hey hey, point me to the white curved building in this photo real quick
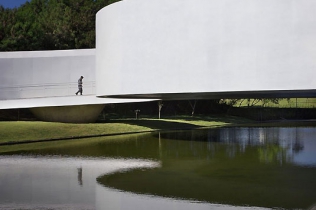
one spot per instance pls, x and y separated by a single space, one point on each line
46 82
206 49
179 49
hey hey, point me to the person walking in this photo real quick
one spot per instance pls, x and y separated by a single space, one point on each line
79 86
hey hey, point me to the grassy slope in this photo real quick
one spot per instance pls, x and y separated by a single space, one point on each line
27 131
21 131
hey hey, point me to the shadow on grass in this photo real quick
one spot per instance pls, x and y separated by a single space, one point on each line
166 123
212 118
157 124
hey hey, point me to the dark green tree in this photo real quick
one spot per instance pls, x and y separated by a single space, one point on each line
50 25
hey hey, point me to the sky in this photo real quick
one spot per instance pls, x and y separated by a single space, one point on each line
12 3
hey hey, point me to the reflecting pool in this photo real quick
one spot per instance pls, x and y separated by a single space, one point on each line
222 168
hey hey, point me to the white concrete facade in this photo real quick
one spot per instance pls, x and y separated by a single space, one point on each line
46 82
206 48
179 49
36 74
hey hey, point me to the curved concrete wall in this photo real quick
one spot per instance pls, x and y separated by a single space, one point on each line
35 74
46 82
206 48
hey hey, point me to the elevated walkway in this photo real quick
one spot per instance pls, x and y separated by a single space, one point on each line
46 82
62 101
170 50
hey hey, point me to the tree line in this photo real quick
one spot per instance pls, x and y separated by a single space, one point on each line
50 25
70 24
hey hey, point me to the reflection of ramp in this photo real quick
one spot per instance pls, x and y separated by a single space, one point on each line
107 198
52 182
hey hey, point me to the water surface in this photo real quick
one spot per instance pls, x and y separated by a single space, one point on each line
224 168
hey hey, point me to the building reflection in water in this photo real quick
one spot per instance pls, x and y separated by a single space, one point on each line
80 182
274 144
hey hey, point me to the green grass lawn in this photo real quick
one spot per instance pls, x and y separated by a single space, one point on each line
36 130
20 131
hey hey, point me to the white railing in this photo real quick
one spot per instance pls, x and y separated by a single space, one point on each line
45 90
